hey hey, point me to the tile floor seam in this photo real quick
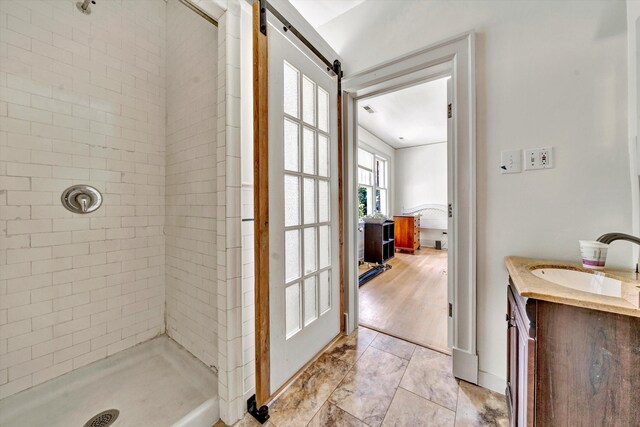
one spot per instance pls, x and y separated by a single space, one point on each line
338 385
326 400
337 359
457 397
431 401
354 416
342 409
394 393
358 357
391 401
388 352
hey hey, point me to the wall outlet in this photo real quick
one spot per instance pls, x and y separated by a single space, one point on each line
511 161
538 158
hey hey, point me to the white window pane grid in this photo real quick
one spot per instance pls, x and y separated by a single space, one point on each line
310 293
307 159
293 306
291 200
310 199
292 255
324 245
310 250
308 151
324 201
381 179
291 145
365 159
323 110
323 155
307 299
308 100
291 90
324 289
365 177
372 181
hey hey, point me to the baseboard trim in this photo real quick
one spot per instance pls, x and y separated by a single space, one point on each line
492 382
465 365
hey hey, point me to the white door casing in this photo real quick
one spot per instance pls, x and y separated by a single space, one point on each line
304 301
455 56
450 223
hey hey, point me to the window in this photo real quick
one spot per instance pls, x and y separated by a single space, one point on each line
372 184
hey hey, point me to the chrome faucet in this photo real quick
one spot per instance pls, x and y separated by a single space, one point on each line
612 237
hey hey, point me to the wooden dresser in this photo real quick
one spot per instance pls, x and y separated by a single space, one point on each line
407 231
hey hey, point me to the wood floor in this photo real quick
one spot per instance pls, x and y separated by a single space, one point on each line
410 300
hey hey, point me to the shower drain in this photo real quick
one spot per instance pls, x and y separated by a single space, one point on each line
103 419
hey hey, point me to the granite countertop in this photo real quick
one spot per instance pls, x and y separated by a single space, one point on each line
530 286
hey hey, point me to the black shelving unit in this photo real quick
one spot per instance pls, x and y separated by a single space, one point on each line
379 244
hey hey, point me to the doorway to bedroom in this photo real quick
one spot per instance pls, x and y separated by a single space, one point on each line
402 198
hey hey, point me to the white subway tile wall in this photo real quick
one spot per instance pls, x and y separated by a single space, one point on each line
192 106
82 100
248 292
229 238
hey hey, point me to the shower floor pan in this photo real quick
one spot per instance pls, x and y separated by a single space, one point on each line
156 383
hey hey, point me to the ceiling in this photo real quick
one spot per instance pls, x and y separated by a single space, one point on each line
319 12
418 114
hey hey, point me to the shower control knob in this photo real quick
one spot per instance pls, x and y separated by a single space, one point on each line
81 199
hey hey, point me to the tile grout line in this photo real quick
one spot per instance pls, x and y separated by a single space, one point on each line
327 352
393 354
329 395
399 382
422 397
398 386
394 396
340 382
431 401
457 400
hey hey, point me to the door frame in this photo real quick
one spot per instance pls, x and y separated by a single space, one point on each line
457 54
261 188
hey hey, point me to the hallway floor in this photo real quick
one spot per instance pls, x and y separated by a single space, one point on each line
410 300
372 379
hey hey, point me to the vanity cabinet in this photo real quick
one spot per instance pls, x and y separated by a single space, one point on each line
521 347
571 366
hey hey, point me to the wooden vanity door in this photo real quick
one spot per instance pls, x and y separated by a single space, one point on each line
521 365
512 360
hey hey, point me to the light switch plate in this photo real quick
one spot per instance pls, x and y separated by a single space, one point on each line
538 158
511 161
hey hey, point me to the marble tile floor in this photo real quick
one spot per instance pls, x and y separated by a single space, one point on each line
372 379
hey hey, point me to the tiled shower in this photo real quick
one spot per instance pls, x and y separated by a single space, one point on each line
123 99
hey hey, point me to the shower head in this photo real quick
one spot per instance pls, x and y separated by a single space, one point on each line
83 6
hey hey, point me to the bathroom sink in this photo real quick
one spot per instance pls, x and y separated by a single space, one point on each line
592 282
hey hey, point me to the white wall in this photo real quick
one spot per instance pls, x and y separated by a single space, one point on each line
190 230
547 73
82 101
421 176
633 46
373 144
